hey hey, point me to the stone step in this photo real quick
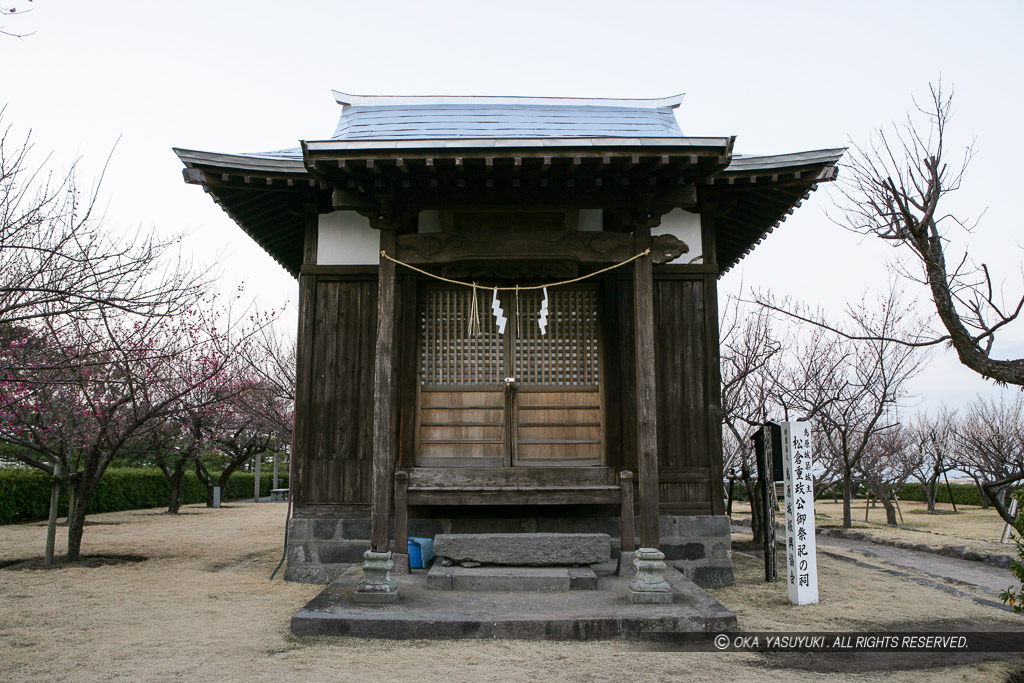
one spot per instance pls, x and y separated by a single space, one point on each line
511 578
525 549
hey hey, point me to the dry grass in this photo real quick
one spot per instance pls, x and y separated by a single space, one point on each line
201 607
971 527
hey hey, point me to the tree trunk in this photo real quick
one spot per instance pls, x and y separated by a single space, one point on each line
984 496
222 480
847 499
997 494
204 476
890 509
930 491
76 521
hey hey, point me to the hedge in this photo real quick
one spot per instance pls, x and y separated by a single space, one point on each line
25 493
963 494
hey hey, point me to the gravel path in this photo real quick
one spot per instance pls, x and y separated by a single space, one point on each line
986 578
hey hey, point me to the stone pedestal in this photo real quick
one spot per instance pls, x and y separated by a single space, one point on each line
626 568
401 563
649 585
376 588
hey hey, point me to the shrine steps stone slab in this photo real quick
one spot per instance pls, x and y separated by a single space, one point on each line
538 549
601 614
511 578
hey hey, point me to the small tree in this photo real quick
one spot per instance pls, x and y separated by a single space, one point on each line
931 451
866 389
886 465
236 438
990 444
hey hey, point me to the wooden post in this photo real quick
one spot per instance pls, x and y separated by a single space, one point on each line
646 394
51 526
402 513
383 400
628 533
256 479
949 490
276 480
765 459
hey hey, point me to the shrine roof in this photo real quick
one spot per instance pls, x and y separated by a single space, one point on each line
500 118
382 140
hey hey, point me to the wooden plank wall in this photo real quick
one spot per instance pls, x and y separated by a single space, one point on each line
334 442
688 384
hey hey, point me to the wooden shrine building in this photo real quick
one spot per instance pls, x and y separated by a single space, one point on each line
411 404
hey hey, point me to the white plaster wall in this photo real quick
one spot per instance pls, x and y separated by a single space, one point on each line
685 226
428 221
591 220
346 239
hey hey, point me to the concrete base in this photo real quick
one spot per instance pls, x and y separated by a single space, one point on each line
603 614
511 578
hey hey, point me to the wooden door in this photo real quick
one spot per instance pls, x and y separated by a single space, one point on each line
518 399
557 406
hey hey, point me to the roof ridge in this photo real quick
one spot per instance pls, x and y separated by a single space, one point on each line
348 99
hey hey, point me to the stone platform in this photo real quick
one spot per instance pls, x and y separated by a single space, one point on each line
537 549
601 614
511 578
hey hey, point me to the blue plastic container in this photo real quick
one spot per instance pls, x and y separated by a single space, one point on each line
421 552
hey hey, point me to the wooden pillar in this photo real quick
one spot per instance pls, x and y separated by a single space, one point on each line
628 536
401 513
712 355
300 452
646 394
383 400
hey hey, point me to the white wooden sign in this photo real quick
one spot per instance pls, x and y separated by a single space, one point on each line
801 557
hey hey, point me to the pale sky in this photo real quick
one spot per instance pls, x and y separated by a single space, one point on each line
783 77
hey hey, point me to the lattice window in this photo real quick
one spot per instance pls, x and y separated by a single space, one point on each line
568 354
448 354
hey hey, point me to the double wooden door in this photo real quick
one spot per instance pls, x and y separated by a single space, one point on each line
521 398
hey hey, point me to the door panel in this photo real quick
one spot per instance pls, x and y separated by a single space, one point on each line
550 415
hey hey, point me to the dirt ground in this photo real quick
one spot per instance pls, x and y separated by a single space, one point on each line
201 607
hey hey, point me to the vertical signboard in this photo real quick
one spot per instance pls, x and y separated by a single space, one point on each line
801 558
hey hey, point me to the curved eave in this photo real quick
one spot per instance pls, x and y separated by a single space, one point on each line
756 194
262 194
260 163
315 147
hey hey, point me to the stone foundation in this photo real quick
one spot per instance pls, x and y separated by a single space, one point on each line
320 550
700 547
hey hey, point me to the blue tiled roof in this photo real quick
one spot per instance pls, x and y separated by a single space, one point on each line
503 121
